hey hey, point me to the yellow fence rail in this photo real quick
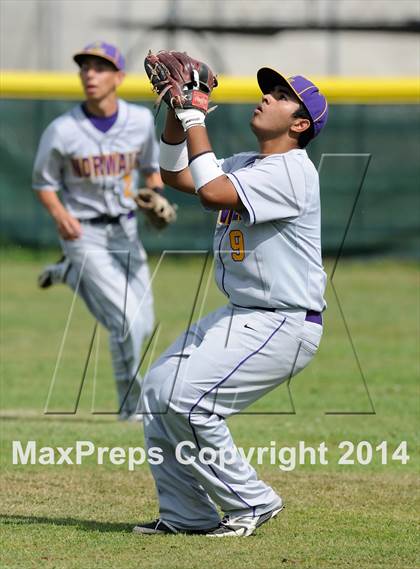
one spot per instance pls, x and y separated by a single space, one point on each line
341 90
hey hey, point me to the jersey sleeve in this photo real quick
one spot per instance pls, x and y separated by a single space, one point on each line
48 165
225 164
149 157
274 189
236 161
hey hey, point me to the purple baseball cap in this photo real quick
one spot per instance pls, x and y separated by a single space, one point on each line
104 51
313 100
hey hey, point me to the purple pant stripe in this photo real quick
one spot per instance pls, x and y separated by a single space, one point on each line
216 387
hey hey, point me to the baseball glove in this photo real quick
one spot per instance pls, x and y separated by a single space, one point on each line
158 211
179 80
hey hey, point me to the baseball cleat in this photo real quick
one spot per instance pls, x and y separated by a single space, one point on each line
243 526
160 527
156 527
130 417
135 418
54 274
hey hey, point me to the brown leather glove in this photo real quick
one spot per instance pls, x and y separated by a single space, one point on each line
157 209
180 80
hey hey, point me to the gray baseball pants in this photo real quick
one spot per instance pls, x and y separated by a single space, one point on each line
109 272
220 366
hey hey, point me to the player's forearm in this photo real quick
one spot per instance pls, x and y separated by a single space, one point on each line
198 141
153 181
181 181
68 226
173 135
218 193
52 203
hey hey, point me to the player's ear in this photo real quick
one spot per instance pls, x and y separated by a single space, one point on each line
300 125
120 75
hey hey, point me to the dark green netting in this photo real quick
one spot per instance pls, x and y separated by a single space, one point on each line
386 218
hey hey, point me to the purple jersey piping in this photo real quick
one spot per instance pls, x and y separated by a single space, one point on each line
245 196
222 263
216 387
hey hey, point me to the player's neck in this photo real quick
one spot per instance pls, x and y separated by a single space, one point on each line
102 108
277 145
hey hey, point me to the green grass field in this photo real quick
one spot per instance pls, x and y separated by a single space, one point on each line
358 516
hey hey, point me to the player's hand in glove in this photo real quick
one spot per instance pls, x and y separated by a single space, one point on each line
155 207
183 83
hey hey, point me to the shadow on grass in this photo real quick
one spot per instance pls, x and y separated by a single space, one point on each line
85 525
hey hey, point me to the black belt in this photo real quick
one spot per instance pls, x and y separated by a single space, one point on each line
311 315
105 218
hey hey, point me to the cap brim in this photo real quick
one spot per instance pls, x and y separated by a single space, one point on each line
81 55
268 78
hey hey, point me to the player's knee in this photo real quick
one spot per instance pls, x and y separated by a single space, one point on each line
166 396
199 417
138 315
170 393
148 327
151 380
152 385
180 398
173 400
126 330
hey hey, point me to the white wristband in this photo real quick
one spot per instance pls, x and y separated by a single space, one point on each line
204 169
190 117
173 157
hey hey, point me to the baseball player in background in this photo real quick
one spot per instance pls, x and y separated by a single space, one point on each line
94 155
268 264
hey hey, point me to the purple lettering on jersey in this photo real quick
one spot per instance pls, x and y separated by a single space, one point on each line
97 165
101 123
132 160
224 214
109 160
86 167
75 162
122 163
105 165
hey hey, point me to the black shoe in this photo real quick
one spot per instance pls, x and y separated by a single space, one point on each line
54 274
160 527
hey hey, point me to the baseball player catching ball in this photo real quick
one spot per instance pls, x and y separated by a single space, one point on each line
268 264
94 154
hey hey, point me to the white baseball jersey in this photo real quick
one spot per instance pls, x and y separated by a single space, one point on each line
269 256
97 172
